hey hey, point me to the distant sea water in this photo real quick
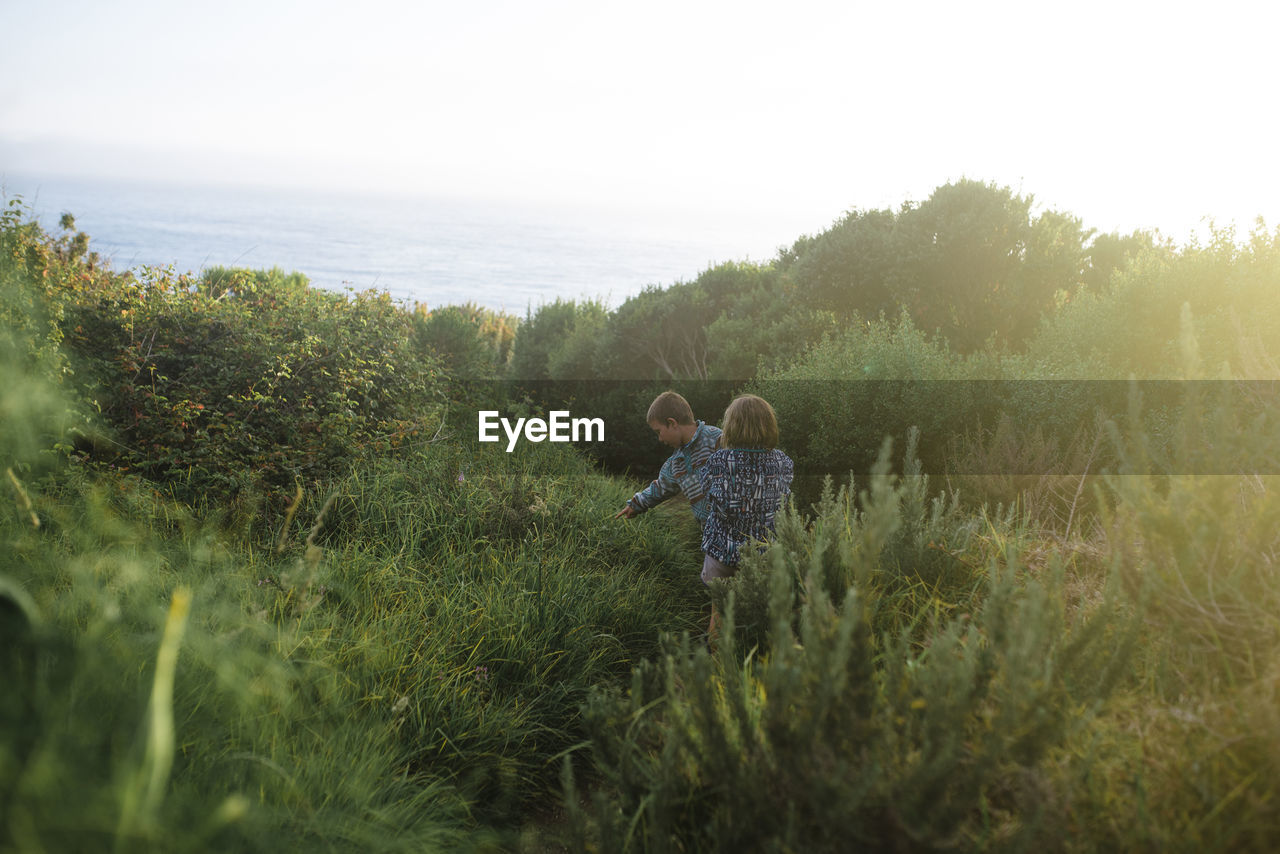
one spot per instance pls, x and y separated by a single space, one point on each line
432 251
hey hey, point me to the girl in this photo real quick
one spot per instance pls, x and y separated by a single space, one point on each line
745 482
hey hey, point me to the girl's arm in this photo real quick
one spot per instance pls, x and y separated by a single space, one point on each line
787 473
715 476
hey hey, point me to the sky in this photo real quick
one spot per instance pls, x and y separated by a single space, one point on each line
1126 114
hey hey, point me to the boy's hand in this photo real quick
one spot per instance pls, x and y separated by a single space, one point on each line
627 512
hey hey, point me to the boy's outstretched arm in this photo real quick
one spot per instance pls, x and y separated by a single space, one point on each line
654 494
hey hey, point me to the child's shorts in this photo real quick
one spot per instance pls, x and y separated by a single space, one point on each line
712 569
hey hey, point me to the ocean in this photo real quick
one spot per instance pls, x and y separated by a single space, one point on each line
433 251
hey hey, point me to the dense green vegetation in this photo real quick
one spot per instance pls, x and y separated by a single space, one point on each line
260 589
863 331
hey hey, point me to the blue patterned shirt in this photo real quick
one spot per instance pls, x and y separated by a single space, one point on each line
682 473
745 488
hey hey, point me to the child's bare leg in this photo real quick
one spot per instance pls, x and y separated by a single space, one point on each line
713 630
713 569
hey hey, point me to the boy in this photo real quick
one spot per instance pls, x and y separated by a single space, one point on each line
671 419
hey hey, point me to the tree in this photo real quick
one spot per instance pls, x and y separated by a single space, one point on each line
759 321
850 268
471 341
544 332
579 355
975 265
662 334
1110 252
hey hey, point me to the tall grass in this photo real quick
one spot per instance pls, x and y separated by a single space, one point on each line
908 711
407 655
396 667
401 674
901 674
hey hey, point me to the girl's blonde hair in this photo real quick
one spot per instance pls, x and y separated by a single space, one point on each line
749 422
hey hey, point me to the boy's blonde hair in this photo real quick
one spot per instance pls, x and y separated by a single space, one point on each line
669 404
749 422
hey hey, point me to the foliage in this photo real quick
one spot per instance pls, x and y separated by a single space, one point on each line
850 268
581 352
838 402
971 263
470 341
661 334
33 362
398 670
761 322
28 311
922 555
1192 760
934 734
530 590
391 641
1133 326
1112 252
243 378
1012 465
978 266
240 741
219 282
149 705
1207 545
544 332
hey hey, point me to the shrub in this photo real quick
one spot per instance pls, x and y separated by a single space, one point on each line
1192 760
933 734
149 706
922 553
264 383
543 333
1011 465
398 670
661 335
238 380
35 272
838 402
1133 325
471 342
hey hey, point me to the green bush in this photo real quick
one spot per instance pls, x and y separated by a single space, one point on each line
471 342
660 334
35 272
240 379
262 384
399 669
931 734
579 355
544 333
1192 760
971 263
761 324
924 554
838 402
152 703
1133 325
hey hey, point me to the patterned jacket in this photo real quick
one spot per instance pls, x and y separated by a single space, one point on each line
682 473
745 488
